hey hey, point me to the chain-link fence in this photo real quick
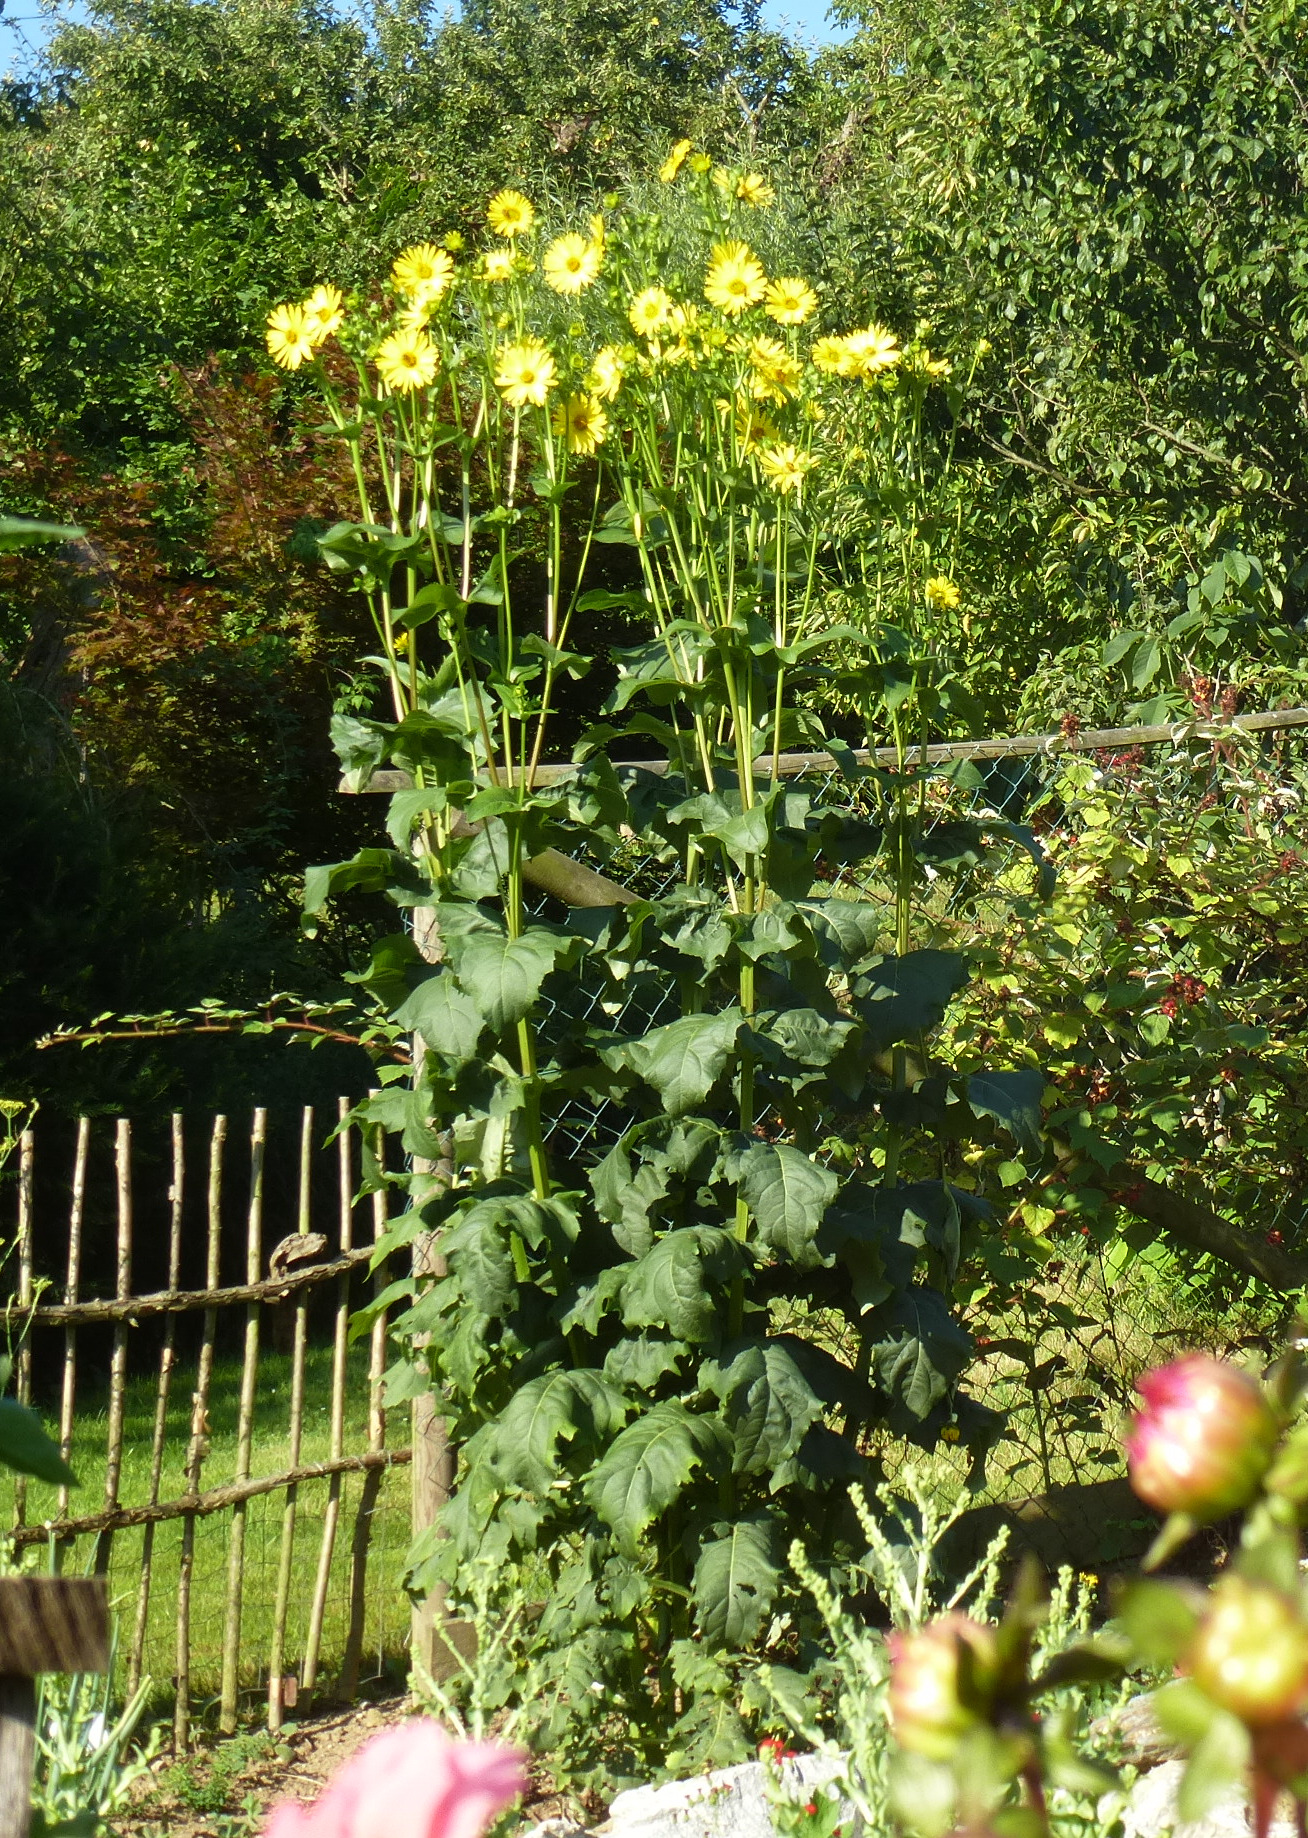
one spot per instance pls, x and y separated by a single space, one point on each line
1059 1356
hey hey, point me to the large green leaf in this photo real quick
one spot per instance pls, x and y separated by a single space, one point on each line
556 1407
918 1350
683 1060
25 1447
503 975
787 1192
480 1255
768 1403
449 1021
736 1581
638 1363
645 1469
903 996
1012 1099
26 533
673 1285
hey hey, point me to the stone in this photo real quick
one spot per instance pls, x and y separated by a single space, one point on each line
1150 1810
727 1803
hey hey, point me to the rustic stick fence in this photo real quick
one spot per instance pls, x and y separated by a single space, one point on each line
188 1327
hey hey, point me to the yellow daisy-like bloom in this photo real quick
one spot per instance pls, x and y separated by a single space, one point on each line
920 363
453 242
784 467
423 270
650 310
672 164
582 423
830 354
324 312
735 278
289 337
942 593
775 374
604 379
753 428
510 214
871 351
525 373
789 301
498 265
753 188
407 360
571 264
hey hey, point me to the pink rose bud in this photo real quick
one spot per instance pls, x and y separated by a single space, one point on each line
413 1781
1204 1439
936 1695
1250 1652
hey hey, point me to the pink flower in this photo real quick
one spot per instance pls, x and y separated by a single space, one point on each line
1204 1439
413 1781
940 1680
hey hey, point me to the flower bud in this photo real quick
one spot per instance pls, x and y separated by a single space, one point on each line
938 1681
1204 1439
1250 1653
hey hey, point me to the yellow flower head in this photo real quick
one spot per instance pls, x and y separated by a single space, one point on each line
453 241
831 354
323 311
920 363
423 270
582 423
784 467
510 214
672 164
775 374
735 278
789 301
497 265
571 264
604 378
941 592
753 188
407 360
753 428
525 373
870 352
289 337
649 310
700 163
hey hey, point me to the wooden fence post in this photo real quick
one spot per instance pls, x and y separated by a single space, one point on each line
244 1435
47 1624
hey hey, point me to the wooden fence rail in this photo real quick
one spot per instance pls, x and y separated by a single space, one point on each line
150 1347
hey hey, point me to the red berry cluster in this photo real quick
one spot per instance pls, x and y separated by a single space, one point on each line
1185 990
1070 726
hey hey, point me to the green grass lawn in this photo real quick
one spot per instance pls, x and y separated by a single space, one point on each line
387 1610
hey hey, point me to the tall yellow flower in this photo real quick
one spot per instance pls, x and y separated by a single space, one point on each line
525 373
289 337
700 163
604 379
324 312
753 188
735 278
942 593
510 214
571 264
784 467
774 373
831 354
649 310
582 423
753 428
407 360
424 270
498 264
790 301
672 164
871 351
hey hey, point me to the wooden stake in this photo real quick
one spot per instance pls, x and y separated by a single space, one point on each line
340 1348
118 1361
23 1364
47 1624
199 1444
72 1284
227 1708
276 1660
167 1357
349 1679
